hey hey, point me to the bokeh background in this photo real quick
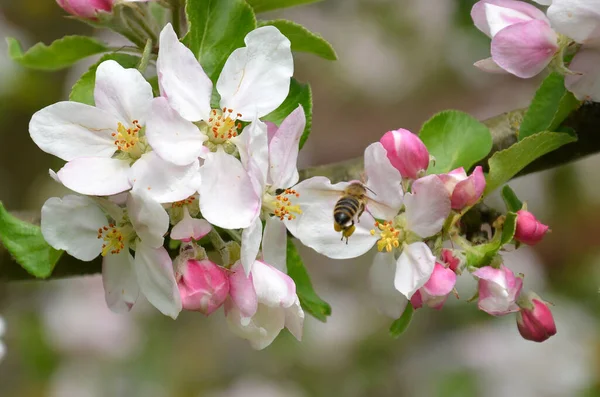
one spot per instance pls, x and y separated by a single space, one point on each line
400 61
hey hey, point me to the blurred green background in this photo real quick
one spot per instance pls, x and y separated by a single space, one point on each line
400 61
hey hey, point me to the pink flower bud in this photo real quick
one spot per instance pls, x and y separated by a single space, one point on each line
529 230
85 8
203 286
452 261
523 43
534 320
498 290
406 152
435 291
464 190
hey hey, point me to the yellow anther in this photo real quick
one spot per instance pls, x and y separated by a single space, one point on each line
282 206
222 125
113 239
389 237
127 138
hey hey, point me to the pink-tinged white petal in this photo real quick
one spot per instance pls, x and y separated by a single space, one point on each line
468 191
241 291
203 286
172 137
294 319
413 268
262 329
164 181
585 85
228 196
122 92
385 181
182 79
452 178
71 224
255 79
156 278
70 130
498 290
148 217
427 206
406 152
314 226
388 300
441 282
190 228
251 237
525 49
577 19
488 65
120 285
283 150
491 16
271 130
96 176
273 287
253 147
274 244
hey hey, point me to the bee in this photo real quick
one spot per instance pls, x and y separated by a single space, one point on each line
350 207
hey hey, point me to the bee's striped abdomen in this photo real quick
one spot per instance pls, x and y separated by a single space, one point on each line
345 209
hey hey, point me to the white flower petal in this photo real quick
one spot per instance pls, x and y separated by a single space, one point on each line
182 79
577 19
255 79
428 207
274 245
71 224
96 176
414 267
190 228
165 182
172 137
385 181
273 288
156 278
227 195
120 285
253 147
283 150
263 327
294 319
148 217
314 226
388 299
251 237
586 85
70 130
125 93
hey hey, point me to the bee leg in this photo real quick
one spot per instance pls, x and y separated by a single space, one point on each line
360 212
348 232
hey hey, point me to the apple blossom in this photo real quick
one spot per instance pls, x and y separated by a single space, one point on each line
523 42
435 291
535 321
464 190
406 152
529 230
82 227
182 126
498 290
577 19
203 286
276 305
105 150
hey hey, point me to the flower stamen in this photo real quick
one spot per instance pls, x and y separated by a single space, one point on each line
389 237
283 206
113 239
222 125
127 138
187 201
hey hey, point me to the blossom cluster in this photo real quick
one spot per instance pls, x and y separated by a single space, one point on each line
526 41
142 168
409 216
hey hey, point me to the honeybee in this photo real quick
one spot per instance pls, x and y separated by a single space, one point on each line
349 208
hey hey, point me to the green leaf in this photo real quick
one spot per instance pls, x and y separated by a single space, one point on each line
508 162
83 90
61 54
217 27
300 94
303 39
483 254
27 246
309 299
551 104
268 5
455 139
400 325
510 199
508 228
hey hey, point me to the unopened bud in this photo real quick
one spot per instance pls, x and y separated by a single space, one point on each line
203 286
535 320
406 152
498 290
87 9
464 190
529 230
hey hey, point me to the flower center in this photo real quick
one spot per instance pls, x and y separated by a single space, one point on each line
281 205
113 239
127 139
389 237
222 125
184 202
